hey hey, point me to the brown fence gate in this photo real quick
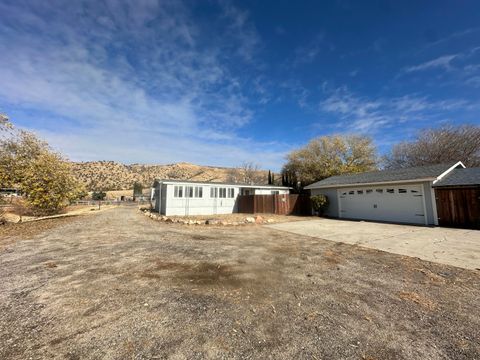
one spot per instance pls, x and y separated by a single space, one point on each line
290 204
458 207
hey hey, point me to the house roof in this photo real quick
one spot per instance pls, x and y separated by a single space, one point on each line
256 186
420 173
460 177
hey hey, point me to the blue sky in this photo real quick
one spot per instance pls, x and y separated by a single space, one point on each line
223 82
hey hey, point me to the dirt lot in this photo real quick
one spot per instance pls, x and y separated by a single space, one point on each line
118 285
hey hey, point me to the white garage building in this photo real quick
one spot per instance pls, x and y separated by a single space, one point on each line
180 197
401 196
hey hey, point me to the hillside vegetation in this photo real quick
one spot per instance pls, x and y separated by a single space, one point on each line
111 175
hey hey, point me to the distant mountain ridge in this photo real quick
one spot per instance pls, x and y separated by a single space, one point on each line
112 175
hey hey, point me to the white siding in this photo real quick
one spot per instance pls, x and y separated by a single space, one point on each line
223 201
205 205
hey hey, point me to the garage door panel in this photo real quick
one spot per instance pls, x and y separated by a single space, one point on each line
394 204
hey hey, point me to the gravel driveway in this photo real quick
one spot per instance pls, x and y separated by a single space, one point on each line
118 285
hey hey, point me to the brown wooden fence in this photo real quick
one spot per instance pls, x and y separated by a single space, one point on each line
291 204
458 207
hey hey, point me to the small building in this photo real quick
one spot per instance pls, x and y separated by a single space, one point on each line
9 192
400 196
179 197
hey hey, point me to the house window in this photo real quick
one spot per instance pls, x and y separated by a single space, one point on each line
402 191
222 192
390 191
178 191
360 192
246 192
414 191
275 192
231 193
213 192
380 191
189 191
198 192
351 192
369 191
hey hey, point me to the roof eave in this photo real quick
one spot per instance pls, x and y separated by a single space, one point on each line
310 187
446 172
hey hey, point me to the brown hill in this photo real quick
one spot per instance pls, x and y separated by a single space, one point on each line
111 175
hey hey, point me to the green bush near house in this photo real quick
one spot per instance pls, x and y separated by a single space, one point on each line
319 203
99 195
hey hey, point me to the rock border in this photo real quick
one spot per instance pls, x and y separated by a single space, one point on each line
248 220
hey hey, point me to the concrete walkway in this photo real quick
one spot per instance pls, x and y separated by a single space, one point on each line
457 247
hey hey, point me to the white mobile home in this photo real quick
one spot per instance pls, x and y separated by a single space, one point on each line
176 197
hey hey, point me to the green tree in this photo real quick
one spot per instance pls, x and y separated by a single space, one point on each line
42 175
137 189
99 195
330 155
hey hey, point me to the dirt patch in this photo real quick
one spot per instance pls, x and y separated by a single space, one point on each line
418 299
118 285
332 257
209 274
30 229
203 273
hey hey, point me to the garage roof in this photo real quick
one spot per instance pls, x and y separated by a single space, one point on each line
420 173
460 177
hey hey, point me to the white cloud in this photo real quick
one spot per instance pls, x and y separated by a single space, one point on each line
362 114
129 81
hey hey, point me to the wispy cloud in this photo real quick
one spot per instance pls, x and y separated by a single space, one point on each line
363 114
442 62
145 78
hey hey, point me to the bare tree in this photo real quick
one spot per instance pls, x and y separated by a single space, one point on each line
234 175
435 146
251 173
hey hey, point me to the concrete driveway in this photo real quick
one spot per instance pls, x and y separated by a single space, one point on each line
457 247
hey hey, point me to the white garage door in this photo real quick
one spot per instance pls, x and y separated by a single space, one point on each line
402 204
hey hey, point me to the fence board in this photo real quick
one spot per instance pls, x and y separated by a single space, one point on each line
458 207
275 204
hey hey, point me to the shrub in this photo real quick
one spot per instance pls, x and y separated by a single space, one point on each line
319 203
99 195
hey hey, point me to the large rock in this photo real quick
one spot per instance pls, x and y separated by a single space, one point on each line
258 219
250 219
